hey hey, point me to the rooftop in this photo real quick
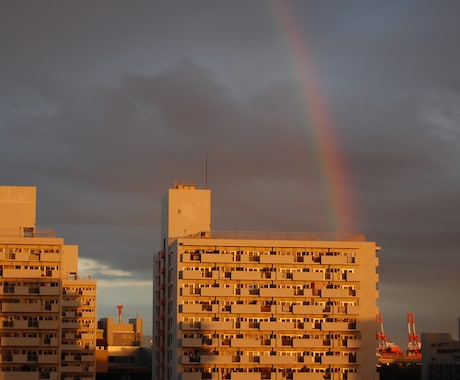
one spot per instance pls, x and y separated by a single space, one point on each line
275 235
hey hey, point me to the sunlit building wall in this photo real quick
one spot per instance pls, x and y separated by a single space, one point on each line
120 349
261 306
47 313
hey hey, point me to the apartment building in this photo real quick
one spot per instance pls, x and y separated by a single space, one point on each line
47 313
253 305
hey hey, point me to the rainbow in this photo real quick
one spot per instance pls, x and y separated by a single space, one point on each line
330 165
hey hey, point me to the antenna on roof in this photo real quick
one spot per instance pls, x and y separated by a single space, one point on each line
120 314
206 161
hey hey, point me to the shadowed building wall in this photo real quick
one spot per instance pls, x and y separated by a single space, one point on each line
120 351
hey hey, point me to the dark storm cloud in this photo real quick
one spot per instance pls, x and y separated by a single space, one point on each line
103 105
119 139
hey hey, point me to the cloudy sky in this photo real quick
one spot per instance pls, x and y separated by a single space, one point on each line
314 116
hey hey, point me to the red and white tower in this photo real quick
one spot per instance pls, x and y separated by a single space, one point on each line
414 346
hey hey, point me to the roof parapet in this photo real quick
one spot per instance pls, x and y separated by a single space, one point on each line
276 235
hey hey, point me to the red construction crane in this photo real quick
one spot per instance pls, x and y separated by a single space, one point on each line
414 347
386 348
120 314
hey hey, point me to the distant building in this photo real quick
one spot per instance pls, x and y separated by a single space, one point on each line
47 312
253 306
440 357
120 351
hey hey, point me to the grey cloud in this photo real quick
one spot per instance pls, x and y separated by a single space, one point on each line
102 106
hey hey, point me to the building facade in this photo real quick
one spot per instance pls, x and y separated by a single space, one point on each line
440 356
259 305
47 313
121 351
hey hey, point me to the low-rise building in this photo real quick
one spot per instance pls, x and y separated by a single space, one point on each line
120 349
440 356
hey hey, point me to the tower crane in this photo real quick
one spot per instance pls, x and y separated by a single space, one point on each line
414 347
386 348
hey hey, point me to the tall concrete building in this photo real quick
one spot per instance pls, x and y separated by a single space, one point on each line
47 313
252 305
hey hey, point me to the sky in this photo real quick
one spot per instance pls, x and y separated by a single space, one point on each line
338 116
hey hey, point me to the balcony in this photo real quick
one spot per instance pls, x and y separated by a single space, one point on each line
216 291
308 276
48 359
243 342
88 358
17 324
50 325
198 274
191 342
72 368
308 309
189 359
308 376
335 359
48 256
276 292
353 309
277 359
216 325
22 273
88 292
338 326
284 342
251 309
245 376
216 359
277 259
353 276
336 293
307 343
71 347
20 341
19 358
353 343
49 291
190 325
243 275
199 308
191 257
26 375
70 325
200 376
21 307
278 326
216 258
71 303
331 260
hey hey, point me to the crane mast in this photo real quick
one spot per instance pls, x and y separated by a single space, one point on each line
386 348
414 346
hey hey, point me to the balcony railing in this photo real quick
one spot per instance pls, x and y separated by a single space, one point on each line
274 235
